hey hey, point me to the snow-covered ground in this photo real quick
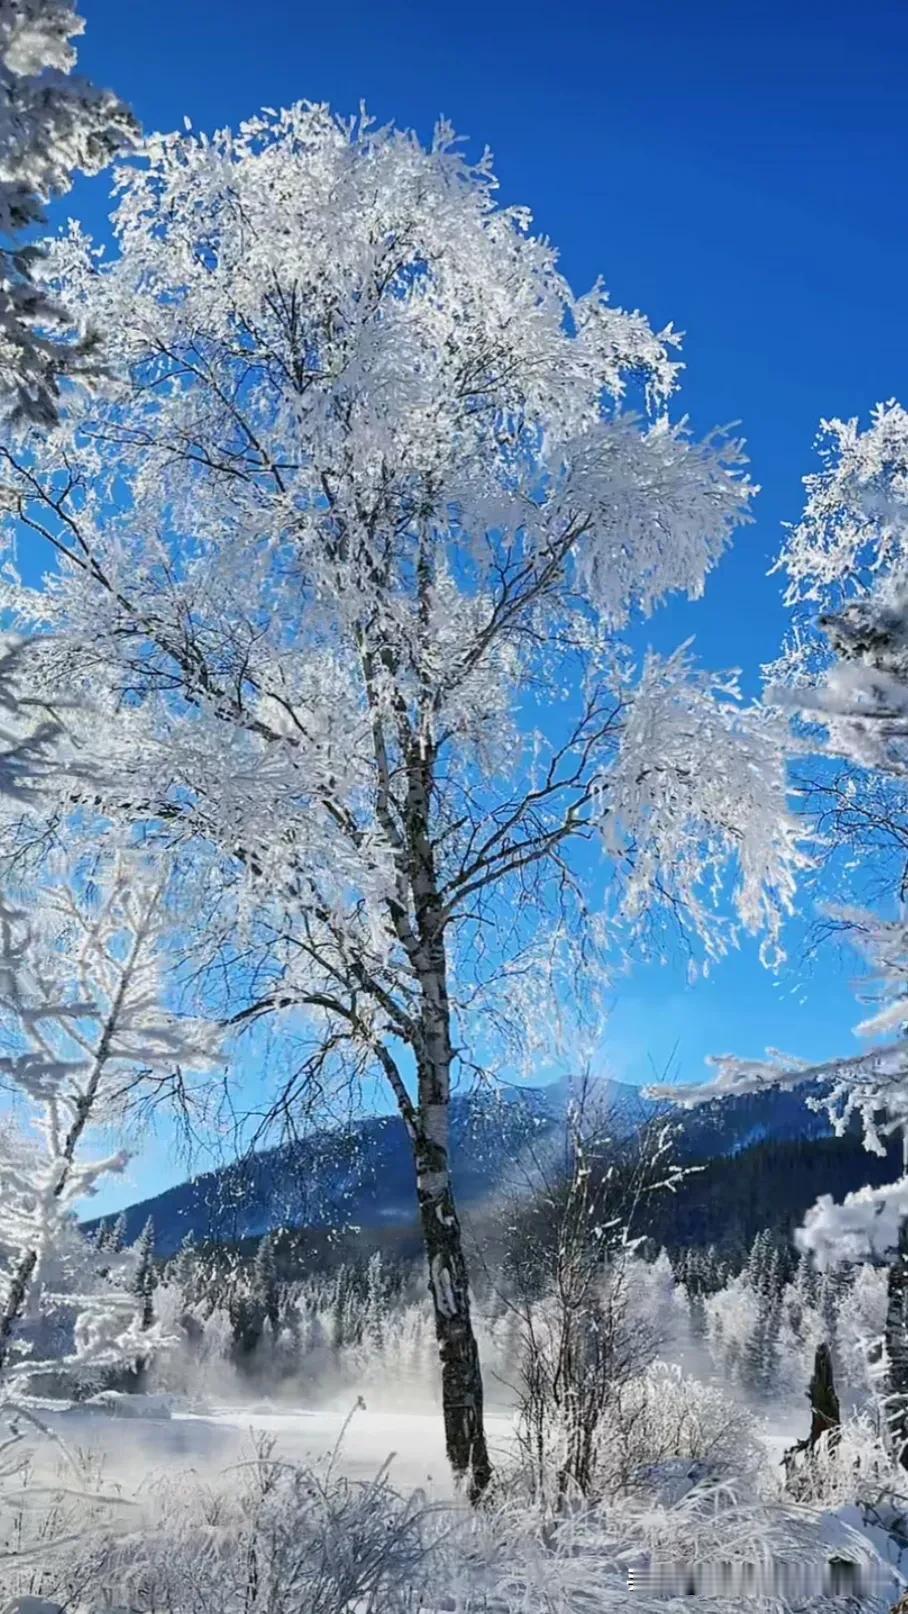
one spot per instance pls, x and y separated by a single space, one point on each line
161 1454
139 1439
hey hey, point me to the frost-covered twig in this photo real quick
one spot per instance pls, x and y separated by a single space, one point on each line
81 1005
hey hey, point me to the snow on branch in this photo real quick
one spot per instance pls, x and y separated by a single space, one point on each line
865 1225
81 1006
699 786
872 1086
846 670
51 125
855 522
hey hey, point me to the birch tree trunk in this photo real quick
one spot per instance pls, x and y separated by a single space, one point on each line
461 1377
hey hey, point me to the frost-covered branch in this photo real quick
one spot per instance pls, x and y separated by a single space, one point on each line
844 677
348 543
84 1022
52 125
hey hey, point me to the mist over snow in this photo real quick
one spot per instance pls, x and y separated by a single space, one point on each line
390 672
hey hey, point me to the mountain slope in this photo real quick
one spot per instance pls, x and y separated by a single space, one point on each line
363 1176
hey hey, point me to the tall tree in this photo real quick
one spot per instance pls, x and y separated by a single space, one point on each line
145 1278
265 1291
347 548
51 125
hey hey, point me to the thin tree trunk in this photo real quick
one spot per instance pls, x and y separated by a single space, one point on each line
461 1377
897 1349
15 1303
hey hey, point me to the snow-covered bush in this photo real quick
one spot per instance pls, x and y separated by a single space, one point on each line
273 1537
665 1414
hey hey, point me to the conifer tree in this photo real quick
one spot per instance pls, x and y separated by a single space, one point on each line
265 1288
116 1238
145 1279
185 1269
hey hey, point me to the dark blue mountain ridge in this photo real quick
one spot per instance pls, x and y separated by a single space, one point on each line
361 1175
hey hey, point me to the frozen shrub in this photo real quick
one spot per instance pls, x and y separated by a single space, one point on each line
662 1415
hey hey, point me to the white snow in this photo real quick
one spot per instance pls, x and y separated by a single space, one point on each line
412 1444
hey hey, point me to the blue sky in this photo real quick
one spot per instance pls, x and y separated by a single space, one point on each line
737 168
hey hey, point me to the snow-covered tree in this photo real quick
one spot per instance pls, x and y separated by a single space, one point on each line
347 546
760 1352
52 125
265 1282
116 1238
84 1027
376 1299
844 674
182 1271
145 1278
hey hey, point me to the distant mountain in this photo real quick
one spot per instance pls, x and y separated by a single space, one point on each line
728 1127
362 1175
768 1185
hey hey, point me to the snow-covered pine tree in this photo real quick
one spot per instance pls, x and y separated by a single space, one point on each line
116 1238
52 125
184 1271
86 1030
760 1359
144 1280
265 1287
759 1262
376 1300
339 1304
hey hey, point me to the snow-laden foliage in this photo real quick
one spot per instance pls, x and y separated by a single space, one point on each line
844 675
846 666
867 1222
872 1086
279 1536
85 1031
52 125
346 550
361 482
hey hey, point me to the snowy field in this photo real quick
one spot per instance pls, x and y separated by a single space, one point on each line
138 1442
168 1452
141 1439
